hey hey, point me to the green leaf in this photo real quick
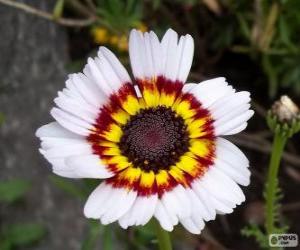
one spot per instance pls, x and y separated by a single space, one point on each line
58 9
244 26
67 186
12 190
23 234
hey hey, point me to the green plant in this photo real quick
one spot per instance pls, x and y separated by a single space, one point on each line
17 235
119 16
284 121
13 190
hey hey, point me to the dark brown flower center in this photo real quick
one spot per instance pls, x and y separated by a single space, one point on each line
154 139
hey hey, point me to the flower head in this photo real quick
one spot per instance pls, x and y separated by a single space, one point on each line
155 140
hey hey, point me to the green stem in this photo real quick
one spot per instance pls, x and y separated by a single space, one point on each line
107 238
163 237
272 182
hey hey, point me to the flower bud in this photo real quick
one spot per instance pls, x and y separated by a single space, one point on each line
284 117
285 109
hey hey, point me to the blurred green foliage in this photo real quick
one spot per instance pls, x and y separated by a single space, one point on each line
137 238
268 32
17 235
20 235
13 190
119 16
265 30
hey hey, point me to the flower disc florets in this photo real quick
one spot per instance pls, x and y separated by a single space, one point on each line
154 139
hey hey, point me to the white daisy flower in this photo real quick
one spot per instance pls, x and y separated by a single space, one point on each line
155 141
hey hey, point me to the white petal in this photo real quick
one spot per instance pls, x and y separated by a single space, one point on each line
72 91
177 203
149 69
51 142
145 54
97 199
188 87
171 205
141 211
218 188
226 103
219 176
170 58
239 176
88 166
110 76
183 198
237 129
66 173
204 197
177 56
137 91
71 122
222 207
231 161
136 52
90 92
69 150
231 125
190 225
53 129
163 217
171 54
231 114
233 150
209 91
197 205
121 204
186 58
93 72
71 106
116 65
156 53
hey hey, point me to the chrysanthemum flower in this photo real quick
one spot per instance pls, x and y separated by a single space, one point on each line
155 140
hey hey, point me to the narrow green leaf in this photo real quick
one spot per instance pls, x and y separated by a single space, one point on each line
58 9
93 235
12 190
244 26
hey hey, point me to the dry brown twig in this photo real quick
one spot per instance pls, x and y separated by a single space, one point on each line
40 13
